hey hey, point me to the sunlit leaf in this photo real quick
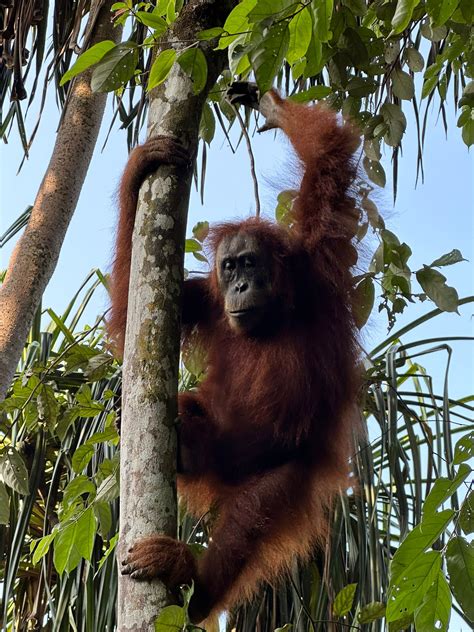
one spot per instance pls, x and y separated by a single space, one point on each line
161 67
403 14
87 59
300 28
344 599
371 612
267 57
435 611
13 471
444 488
460 562
194 63
115 68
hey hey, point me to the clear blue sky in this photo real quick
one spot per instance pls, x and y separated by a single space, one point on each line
434 218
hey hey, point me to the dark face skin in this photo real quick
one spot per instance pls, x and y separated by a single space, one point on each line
244 271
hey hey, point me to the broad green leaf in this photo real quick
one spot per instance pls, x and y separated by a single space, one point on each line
468 130
311 94
344 599
77 487
161 68
371 612
361 86
322 14
13 471
286 628
192 245
207 126
464 449
418 540
433 33
375 171
85 534
201 231
407 592
466 516
448 259
98 366
396 122
42 547
285 201
402 15
66 555
373 215
103 514
109 489
460 563
300 28
363 300
4 505
402 624
429 85
115 68
82 457
434 285
267 57
109 434
440 10
171 619
153 20
265 9
402 84
435 611
236 22
414 59
443 489
194 64
110 550
88 58
48 406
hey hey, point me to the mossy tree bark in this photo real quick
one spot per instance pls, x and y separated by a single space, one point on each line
36 254
150 370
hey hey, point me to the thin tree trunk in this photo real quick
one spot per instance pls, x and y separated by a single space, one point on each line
150 370
36 254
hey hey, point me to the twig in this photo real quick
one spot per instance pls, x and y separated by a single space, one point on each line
251 157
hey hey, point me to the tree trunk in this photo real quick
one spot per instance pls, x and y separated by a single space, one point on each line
36 254
150 370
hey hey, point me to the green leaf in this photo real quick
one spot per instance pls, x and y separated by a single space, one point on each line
42 547
13 471
153 20
418 540
85 534
267 57
433 33
171 619
396 121
435 611
194 64
77 487
371 612
407 592
285 201
192 245
209 34
344 600
363 299
66 555
103 514
448 259
301 29
414 59
311 94
236 22
322 14
161 68
115 68
48 406
201 231
460 563
88 58
466 515
434 285
429 85
361 87
464 449
98 366
81 457
468 130
402 84
402 16
4 505
443 489
440 10
375 171
109 489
